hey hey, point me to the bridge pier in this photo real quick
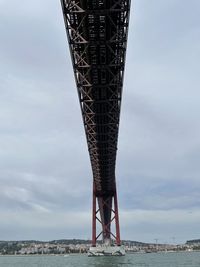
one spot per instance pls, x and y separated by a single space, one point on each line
111 243
110 205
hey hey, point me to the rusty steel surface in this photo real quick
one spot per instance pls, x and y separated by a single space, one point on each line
97 34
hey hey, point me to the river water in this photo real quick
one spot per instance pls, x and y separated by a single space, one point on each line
183 259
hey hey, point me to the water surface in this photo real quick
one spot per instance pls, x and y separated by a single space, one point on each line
181 259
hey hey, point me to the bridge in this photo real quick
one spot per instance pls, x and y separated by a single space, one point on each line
97 32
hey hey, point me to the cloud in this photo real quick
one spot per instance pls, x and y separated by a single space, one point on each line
142 225
148 225
39 224
45 173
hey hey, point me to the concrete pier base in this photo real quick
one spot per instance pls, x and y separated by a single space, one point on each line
105 250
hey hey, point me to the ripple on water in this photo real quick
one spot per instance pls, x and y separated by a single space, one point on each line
191 259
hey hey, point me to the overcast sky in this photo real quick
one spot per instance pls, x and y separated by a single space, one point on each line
45 173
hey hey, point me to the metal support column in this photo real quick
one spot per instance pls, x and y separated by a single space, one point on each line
118 241
94 217
108 235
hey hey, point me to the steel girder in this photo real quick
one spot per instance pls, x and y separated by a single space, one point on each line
97 34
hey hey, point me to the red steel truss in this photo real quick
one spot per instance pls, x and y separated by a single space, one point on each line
105 203
97 33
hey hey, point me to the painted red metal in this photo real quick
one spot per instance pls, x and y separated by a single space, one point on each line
111 204
94 217
118 241
97 32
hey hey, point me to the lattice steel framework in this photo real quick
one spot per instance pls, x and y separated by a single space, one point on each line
97 33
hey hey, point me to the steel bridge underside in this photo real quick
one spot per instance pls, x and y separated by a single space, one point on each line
97 34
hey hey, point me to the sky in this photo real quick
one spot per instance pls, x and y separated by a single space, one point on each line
45 173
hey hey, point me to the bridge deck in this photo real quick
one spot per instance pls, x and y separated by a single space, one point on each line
97 34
